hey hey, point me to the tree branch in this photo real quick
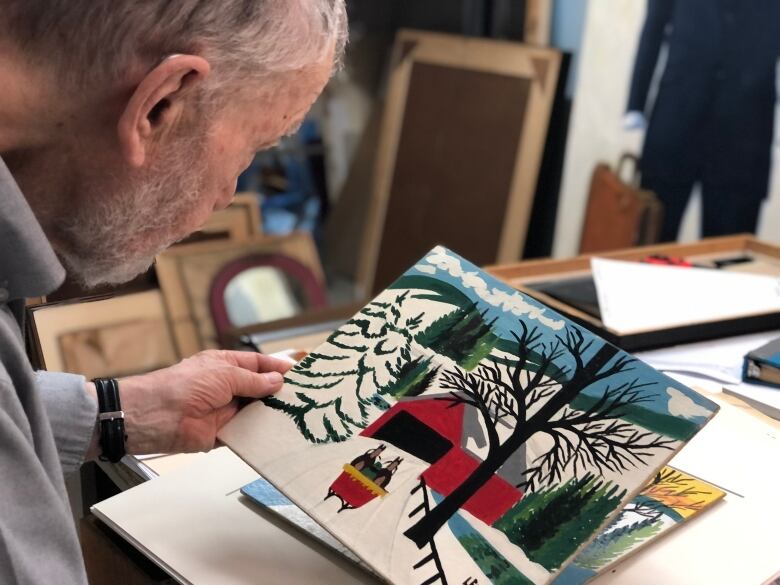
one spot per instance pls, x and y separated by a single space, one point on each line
612 445
609 406
480 397
620 366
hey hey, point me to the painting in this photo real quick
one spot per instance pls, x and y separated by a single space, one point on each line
457 431
671 499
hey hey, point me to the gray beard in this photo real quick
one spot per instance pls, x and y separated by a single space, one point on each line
110 240
99 269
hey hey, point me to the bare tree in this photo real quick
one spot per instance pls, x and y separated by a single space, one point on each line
523 393
674 489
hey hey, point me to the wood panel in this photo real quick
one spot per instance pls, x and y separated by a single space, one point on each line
428 202
461 144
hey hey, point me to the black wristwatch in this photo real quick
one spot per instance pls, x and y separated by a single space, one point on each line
111 420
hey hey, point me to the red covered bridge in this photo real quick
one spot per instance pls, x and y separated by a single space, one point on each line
432 430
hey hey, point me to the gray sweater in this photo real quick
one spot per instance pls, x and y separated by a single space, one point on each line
46 419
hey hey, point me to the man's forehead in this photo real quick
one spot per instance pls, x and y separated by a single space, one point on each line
281 112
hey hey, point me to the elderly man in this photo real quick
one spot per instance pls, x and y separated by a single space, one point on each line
123 125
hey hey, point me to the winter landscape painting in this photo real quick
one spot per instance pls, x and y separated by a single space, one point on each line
456 431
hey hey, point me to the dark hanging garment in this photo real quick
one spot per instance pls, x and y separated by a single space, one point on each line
712 120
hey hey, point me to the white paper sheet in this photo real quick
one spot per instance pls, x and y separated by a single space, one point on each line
762 398
720 359
194 524
736 541
635 297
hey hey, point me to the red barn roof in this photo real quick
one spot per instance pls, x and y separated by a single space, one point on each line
451 465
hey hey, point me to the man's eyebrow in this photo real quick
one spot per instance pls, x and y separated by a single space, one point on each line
295 128
291 132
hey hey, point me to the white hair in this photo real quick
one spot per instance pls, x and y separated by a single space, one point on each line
89 41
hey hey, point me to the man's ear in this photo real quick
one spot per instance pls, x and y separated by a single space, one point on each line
157 103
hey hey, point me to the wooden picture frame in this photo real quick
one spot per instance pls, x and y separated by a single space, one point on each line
186 274
241 220
538 22
524 275
302 332
461 145
102 336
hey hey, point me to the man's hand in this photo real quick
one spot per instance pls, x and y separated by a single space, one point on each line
181 408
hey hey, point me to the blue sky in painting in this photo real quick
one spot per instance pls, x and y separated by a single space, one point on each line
263 492
503 302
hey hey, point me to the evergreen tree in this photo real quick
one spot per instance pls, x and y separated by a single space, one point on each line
610 545
549 525
371 358
412 377
463 335
343 386
601 502
493 564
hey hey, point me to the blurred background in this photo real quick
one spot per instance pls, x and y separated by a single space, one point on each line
507 130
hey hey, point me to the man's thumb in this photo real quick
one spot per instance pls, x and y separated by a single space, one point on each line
249 384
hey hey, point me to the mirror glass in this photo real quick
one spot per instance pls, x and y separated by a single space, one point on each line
261 294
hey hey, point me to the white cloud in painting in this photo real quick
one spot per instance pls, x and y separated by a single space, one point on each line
508 301
682 405
426 268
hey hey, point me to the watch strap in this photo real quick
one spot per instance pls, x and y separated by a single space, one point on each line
111 420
